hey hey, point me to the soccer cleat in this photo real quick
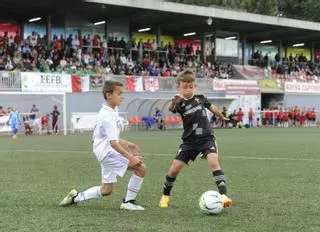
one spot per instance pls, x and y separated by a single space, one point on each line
227 202
69 199
164 201
131 205
14 136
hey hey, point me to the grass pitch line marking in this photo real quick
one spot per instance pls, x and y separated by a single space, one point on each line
166 154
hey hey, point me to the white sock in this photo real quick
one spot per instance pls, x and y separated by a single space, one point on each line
134 187
91 193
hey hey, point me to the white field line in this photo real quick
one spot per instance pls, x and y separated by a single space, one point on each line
172 155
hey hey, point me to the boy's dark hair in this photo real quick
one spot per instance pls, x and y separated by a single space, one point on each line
187 76
109 87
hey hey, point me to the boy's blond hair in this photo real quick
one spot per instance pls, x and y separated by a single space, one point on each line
186 76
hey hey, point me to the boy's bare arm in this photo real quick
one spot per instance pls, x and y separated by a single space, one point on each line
135 160
214 109
131 147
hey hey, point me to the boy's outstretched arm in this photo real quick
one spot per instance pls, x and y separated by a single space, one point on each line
214 109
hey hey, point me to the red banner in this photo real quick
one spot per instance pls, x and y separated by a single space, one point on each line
134 84
11 28
76 84
130 84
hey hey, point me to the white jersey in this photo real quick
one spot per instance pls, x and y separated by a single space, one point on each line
108 128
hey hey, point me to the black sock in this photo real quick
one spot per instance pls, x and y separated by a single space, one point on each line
220 181
168 184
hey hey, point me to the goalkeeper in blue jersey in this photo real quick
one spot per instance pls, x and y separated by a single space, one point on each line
14 120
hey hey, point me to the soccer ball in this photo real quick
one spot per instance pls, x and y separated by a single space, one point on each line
211 202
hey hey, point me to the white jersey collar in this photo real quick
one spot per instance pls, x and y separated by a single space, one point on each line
106 107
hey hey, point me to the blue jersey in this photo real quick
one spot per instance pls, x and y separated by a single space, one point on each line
14 118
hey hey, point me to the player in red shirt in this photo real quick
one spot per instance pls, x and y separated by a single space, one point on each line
2 112
308 117
280 115
269 116
302 118
276 114
240 118
296 116
45 123
290 114
285 118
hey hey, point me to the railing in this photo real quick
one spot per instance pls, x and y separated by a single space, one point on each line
20 81
275 64
10 81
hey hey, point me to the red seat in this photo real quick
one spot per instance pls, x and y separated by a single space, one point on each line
167 119
134 120
131 120
173 119
137 119
178 119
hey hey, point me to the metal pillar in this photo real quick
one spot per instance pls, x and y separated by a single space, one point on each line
244 54
203 47
49 31
159 36
312 52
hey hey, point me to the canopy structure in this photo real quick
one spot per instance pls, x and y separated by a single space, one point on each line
171 18
145 106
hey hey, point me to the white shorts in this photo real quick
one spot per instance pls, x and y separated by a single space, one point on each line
112 166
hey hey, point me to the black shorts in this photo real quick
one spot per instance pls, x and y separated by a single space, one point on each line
188 152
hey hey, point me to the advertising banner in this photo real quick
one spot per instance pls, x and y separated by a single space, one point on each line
300 87
45 82
4 127
236 87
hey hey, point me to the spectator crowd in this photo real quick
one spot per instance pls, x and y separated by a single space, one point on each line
289 68
98 55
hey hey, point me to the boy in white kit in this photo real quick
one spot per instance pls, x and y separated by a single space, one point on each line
114 154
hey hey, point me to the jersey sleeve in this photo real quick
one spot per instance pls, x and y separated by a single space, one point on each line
206 103
110 127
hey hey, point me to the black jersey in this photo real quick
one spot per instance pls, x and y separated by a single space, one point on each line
55 114
196 124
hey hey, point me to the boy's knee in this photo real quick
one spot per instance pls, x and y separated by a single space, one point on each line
106 190
173 172
213 161
176 168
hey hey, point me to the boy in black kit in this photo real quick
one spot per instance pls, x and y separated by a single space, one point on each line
55 118
197 136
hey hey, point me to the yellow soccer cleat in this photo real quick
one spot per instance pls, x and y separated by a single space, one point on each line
69 199
227 202
164 202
